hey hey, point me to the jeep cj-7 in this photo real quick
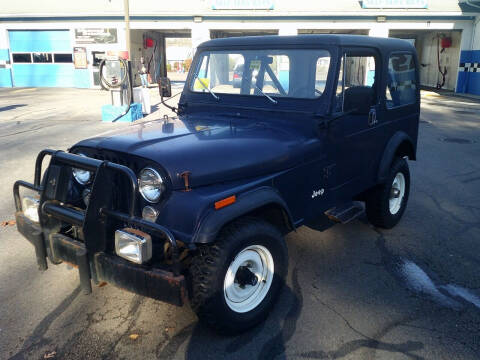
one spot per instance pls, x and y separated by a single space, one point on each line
271 133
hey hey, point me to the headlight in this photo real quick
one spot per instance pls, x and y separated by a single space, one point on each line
151 185
133 245
149 214
82 176
30 208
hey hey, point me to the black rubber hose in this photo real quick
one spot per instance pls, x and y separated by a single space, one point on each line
129 97
118 83
125 79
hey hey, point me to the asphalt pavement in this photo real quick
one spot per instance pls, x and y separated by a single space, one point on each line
354 291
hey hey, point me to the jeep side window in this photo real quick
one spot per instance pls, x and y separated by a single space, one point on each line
401 81
321 74
355 71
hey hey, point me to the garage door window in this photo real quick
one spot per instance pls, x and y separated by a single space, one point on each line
22 58
62 58
401 83
42 58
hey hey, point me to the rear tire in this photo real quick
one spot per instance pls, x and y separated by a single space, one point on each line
236 280
386 203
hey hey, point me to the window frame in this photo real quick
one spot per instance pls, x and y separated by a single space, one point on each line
384 92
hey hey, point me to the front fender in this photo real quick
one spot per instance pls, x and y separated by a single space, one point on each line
214 220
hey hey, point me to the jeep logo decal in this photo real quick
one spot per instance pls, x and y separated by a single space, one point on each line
318 193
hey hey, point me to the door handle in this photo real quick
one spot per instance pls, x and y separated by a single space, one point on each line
372 117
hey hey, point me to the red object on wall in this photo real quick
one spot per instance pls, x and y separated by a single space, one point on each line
446 42
148 42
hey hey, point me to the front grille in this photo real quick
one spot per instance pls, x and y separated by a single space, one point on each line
115 158
120 185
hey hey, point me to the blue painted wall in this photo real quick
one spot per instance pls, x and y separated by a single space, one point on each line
5 77
469 72
81 78
5 74
40 41
4 54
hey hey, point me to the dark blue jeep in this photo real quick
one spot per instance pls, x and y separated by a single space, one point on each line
313 130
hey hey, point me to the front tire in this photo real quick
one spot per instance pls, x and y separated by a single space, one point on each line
236 280
386 203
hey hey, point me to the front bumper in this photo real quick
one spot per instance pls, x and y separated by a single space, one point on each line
91 256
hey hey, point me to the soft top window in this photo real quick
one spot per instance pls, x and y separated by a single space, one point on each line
274 73
402 81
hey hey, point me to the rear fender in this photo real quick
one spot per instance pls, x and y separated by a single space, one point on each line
399 145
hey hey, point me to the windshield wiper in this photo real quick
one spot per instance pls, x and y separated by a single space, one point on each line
267 96
206 87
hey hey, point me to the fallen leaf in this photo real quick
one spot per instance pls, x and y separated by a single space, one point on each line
8 223
134 336
50 355
102 284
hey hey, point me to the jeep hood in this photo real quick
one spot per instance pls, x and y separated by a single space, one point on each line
212 150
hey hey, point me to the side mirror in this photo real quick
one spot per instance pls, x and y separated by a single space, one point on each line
358 100
164 87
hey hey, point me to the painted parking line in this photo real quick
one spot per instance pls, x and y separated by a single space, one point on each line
418 281
26 89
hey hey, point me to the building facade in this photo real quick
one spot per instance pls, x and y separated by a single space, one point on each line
60 44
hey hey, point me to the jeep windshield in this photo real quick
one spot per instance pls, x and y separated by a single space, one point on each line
270 73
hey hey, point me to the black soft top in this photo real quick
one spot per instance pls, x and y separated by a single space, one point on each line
383 44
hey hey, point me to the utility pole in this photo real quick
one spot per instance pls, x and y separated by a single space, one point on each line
126 9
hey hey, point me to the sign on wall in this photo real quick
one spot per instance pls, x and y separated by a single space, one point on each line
243 4
96 36
80 57
394 4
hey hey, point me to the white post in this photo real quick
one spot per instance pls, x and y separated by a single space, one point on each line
126 9
200 33
379 30
287 29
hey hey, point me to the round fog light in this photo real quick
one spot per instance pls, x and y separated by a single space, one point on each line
149 214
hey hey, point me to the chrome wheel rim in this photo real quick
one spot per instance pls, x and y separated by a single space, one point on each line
248 278
397 193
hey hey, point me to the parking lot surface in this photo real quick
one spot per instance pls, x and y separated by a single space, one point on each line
353 291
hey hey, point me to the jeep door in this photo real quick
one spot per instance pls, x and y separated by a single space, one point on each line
354 134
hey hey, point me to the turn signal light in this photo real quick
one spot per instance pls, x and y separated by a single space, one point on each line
225 202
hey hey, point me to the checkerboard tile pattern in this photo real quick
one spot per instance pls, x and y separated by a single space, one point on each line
469 67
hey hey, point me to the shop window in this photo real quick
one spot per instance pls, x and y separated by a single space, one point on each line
62 58
22 58
401 83
42 58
